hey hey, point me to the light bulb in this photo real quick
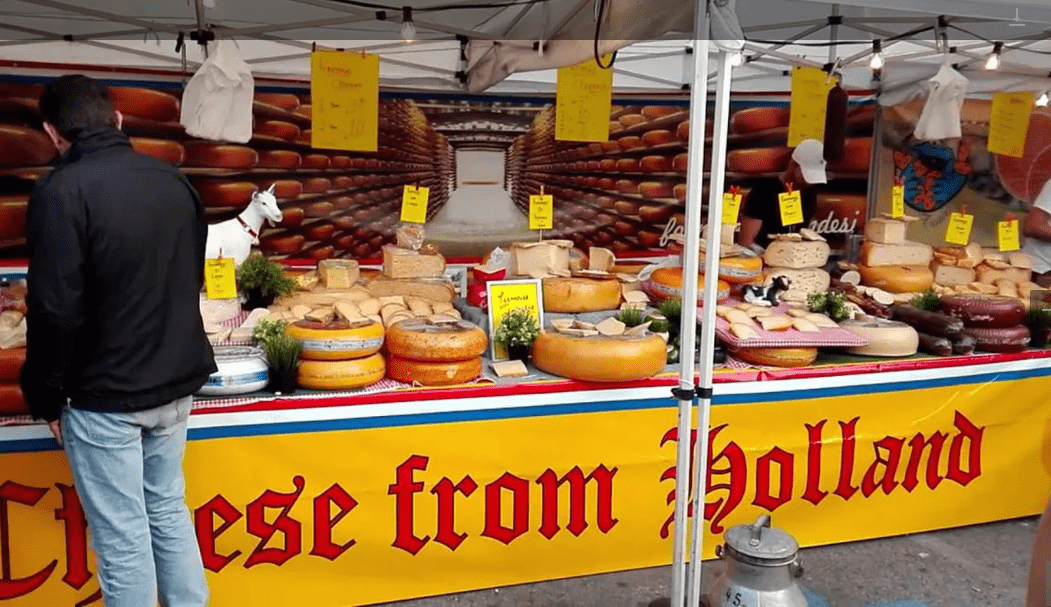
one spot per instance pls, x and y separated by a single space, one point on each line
408 31
876 62
1042 100
993 62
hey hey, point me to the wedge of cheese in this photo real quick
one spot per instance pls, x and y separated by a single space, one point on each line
905 254
949 276
406 263
797 255
547 256
885 231
338 273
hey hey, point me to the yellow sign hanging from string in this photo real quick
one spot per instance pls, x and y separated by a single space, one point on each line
541 212
345 93
220 278
959 228
1009 123
1007 234
731 205
810 87
582 102
791 203
414 204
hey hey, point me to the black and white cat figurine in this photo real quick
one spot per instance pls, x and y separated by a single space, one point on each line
767 295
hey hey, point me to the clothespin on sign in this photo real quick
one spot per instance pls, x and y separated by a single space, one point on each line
963 210
898 181
1010 217
788 187
735 190
313 47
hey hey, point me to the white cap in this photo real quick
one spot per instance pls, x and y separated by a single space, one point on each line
810 156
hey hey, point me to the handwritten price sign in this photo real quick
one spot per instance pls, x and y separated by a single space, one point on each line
959 229
345 91
1007 235
541 212
414 204
791 203
582 102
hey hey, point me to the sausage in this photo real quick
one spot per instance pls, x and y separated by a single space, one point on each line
835 124
935 344
932 323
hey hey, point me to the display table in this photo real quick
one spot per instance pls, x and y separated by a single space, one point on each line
374 497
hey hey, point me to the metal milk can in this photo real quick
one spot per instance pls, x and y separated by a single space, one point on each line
761 567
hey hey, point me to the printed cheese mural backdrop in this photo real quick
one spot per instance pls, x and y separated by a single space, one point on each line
481 157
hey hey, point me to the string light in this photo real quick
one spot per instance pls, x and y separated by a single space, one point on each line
993 62
408 28
1042 100
876 62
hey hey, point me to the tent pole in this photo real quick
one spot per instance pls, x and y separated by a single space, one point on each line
711 286
685 393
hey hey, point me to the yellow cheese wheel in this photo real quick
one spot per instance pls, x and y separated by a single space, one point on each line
886 338
600 358
433 373
666 283
742 269
341 374
418 340
337 340
776 357
897 279
573 295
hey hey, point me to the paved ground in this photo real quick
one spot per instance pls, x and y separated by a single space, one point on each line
982 566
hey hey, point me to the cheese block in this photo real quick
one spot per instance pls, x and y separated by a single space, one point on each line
803 282
337 340
990 275
897 279
885 231
406 263
574 295
601 259
949 276
342 374
435 289
548 256
433 373
416 339
338 273
796 255
599 358
907 254
886 338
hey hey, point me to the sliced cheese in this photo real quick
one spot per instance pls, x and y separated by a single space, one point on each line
741 331
775 323
405 263
610 327
510 368
907 254
989 275
601 259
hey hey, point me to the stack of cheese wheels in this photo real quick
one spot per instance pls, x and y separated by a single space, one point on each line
743 268
800 258
435 353
241 370
994 322
890 262
339 355
666 283
578 294
600 358
886 338
11 401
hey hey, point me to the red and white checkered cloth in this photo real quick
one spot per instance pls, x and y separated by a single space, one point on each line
825 337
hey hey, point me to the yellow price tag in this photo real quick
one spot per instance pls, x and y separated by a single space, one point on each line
959 230
220 278
414 204
791 208
897 201
1007 235
731 207
583 98
345 89
806 114
541 212
1009 123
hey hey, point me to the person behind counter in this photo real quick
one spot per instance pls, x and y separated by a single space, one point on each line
1037 230
761 209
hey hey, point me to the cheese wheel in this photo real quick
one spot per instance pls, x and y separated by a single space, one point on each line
777 357
897 279
803 282
279 159
655 164
742 269
418 340
11 361
316 185
630 142
657 213
319 251
758 160
666 283
615 127
241 370
628 165
630 120
12 220
284 189
679 192
984 311
682 132
277 128
658 137
625 207
11 400
433 373
797 254
857 156
657 189
203 154
21 147
291 217
316 161
341 374
285 101
1003 340
627 186
281 243
648 238
320 231
681 162
168 151
886 338
319 209
756 119
607 164
600 358
574 295
610 146
340 161
225 193
337 340
144 103
653 112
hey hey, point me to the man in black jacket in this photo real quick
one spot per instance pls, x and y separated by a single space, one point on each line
116 345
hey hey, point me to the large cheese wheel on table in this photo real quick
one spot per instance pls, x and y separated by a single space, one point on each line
144 103
886 338
756 119
171 152
278 129
984 311
776 357
21 147
11 361
575 295
341 374
1001 340
279 159
758 160
666 283
337 340
209 155
418 340
433 373
897 279
600 358
11 400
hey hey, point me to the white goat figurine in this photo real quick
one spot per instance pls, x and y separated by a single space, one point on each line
234 238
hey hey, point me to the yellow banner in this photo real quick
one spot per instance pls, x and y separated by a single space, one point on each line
332 517
345 91
583 98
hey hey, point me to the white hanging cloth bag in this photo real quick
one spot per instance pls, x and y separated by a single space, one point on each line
217 102
940 118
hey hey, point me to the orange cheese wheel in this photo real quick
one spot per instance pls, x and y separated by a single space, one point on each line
679 192
281 243
318 252
316 161
169 151
758 160
658 137
284 189
225 193
144 103
285 101
600 358
777 357
628 186
655 164
219 155
857 156
897 279
305 110
277 128
653 112
279 159
595 148
433 373
610 146
607 164
417 340
316 185
319 209
630 120
657 189
13 219
22 147
337 340
291 217
11 361
321 231
626 207
341 162
341 374
741 270
575 295
682 132
648 238
666 283
615 127
657 213
627 165
11 400
753 120
630 142
680 162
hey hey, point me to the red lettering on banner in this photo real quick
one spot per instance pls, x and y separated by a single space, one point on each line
445 491
916 445
494 527
869 483
94 598
973 435
12 587
736 471
813 492
283 524
846 459
324 522
76 528
764 498
404 488
578 518
204 520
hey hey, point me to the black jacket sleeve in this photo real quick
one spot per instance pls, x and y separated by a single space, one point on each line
201 227
55 300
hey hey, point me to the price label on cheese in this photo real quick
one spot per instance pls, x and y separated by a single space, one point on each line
414 204
897 201
1007 235
731 207
220 278
541 212
959 230
791 208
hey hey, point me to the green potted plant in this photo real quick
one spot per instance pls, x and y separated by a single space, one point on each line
516 332
262 281
282 354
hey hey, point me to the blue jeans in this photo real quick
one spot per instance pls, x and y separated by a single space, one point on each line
127 468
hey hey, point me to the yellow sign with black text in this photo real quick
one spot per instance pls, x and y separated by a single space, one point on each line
345 89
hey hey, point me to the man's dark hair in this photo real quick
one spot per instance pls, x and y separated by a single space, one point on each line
74 104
